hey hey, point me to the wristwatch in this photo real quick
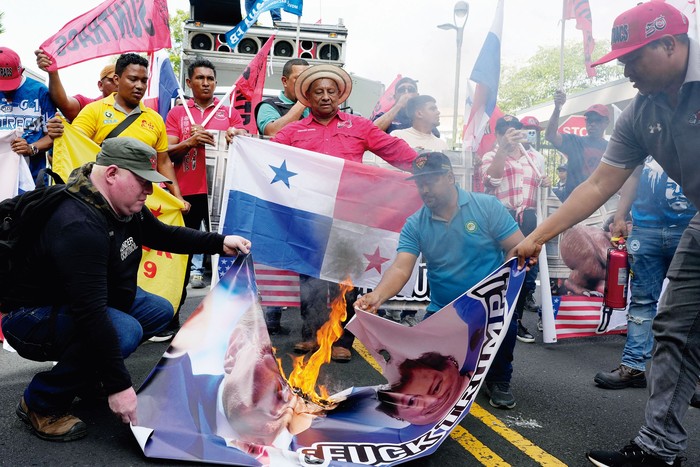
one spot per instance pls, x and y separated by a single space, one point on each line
35 150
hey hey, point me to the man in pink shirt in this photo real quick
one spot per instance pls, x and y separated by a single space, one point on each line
327 130
187 141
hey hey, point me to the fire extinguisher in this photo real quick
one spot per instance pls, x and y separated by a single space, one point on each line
616 278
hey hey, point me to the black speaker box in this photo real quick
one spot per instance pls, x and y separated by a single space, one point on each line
224 12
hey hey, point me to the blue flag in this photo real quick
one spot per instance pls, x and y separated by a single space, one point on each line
234 36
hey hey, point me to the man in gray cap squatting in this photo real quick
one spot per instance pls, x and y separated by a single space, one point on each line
77 302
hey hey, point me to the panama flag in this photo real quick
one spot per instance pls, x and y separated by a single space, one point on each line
316 214
486 75
162 84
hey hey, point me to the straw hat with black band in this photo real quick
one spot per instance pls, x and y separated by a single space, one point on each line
311 74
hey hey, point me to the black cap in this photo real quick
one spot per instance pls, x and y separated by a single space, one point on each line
406 80
430 163
562 167
507 121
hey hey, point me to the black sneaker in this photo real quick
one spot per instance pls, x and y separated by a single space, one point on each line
500 395
620 378
628 456
530 304
524 335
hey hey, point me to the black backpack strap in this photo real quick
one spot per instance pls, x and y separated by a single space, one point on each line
116 131
41 178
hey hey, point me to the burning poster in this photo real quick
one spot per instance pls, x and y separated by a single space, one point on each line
220 395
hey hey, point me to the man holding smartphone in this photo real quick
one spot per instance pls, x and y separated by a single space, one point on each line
514 174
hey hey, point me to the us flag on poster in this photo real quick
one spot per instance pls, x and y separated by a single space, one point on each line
578 316
276 287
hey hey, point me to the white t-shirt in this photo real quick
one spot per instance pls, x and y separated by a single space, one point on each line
420 142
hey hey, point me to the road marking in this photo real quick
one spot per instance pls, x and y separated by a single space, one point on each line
533 451
475 447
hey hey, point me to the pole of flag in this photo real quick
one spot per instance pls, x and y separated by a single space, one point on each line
184 104
561 46
549 331
218 106
298 34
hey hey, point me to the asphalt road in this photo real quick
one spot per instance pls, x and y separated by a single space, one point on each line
560 413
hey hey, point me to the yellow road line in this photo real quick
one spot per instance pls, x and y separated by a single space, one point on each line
516 439
475 447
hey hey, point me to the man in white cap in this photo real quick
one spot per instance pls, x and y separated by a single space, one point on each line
77 302
663 121
15 91
322 88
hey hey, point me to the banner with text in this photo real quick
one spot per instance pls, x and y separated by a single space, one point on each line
111 28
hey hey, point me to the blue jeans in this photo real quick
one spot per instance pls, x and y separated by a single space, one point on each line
275 12
650 253
47 333
501 370
676 362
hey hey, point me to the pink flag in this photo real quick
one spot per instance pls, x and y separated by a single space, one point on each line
580 10
387 99
249 87
113 27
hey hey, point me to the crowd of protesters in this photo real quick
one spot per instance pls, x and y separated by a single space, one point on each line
103 316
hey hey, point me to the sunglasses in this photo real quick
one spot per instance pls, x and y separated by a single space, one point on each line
406 89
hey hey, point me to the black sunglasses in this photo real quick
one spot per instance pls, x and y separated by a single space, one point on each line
406 89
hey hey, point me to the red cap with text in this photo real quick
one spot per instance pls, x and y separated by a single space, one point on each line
10 70
531 122
641 25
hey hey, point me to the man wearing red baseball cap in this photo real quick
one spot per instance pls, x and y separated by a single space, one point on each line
583 153
663 121
15 91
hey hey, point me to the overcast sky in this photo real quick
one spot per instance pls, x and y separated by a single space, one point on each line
385 37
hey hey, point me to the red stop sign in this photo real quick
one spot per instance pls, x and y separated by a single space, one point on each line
574 125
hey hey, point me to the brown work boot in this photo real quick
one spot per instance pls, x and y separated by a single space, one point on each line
52 427
306 346
620 378
341 354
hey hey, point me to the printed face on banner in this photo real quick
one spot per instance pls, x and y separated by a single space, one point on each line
219 395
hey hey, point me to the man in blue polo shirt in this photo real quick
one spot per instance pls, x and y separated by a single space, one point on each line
462 237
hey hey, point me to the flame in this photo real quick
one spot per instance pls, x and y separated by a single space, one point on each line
305 373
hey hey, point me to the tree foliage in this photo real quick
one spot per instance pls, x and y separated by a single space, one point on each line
177 21
2 29
524 86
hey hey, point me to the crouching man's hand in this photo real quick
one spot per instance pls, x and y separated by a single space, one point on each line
123 404
233 244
